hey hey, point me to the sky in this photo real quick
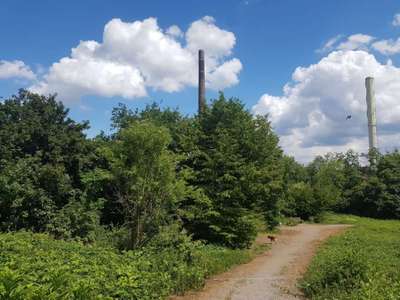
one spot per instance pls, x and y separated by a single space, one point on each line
301 62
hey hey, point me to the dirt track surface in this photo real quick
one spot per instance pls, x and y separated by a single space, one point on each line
272 275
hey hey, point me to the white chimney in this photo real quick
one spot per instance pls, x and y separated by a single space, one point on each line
371 113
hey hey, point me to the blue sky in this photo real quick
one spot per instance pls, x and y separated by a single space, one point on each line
272 39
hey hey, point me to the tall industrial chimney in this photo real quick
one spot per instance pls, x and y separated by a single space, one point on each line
371 113
202 83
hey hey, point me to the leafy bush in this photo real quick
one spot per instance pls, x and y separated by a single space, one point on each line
301 201
35 266
78 220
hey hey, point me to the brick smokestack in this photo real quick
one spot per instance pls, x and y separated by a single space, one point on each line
202 82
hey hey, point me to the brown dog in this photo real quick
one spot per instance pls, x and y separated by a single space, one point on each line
271 238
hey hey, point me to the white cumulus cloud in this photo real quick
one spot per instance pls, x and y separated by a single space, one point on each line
136 56
204 34
15 69
311 114
225 75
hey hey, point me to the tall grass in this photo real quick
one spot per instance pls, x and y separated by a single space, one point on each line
362 263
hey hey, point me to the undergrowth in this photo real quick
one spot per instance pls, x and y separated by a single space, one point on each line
35 266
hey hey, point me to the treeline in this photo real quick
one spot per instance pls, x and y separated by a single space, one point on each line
339 182
219 177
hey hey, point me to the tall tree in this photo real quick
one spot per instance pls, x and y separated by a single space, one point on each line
141 170
42 156
237 167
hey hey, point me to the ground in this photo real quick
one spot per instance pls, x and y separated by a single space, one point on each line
272 275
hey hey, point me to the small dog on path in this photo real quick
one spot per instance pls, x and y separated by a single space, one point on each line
271 238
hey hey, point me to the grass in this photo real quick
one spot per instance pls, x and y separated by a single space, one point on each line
362 263
35 266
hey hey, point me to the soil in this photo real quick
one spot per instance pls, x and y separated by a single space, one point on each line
272 275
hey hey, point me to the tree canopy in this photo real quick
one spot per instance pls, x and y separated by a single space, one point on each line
219 177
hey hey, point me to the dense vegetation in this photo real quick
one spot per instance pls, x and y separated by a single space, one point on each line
339 182
35 266
161 196
363 263
218 176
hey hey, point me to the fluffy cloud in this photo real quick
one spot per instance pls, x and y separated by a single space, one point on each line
203 34
136 56
311 114
225 75
15 69
356 41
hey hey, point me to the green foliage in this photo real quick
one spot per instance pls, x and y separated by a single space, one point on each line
381 194
370 191
230 163
324 184
78 219
363 263
302 202
293 171
34 266
237 166
158 178
142 173
42 154
327 179
344 271
354 176
24 204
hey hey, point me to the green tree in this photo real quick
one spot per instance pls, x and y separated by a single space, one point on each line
195 208
141 170
293 173
388 171
327 180
354 179
43 154
301 200
236 164
381 191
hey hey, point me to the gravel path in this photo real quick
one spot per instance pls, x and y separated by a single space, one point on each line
272 275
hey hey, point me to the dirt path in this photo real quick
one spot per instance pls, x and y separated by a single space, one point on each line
272 275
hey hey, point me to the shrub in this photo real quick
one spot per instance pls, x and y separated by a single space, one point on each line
35 266
301 201
78 219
